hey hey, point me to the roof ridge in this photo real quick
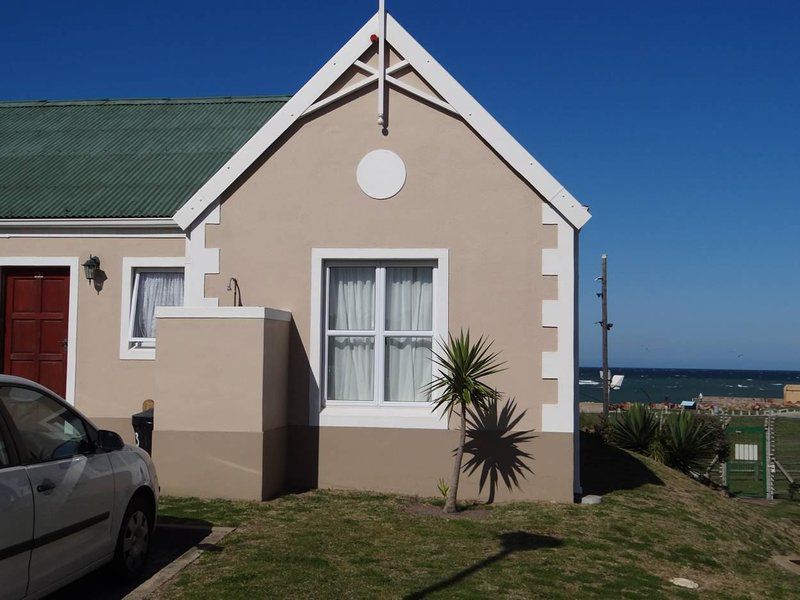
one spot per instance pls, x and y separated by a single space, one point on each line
145 101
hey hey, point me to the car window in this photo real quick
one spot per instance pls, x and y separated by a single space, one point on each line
48 430
5 460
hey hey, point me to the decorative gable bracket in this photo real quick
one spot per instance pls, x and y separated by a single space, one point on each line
452 97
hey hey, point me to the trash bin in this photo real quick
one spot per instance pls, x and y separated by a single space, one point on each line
143 430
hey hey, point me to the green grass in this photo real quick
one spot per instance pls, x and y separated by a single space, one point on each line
656 525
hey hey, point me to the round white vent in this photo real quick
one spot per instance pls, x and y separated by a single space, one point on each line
381 174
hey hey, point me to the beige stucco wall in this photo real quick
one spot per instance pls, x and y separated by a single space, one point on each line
107 388
221 397
458 195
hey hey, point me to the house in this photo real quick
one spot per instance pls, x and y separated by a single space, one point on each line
273 272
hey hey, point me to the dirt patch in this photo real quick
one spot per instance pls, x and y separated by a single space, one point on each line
428 510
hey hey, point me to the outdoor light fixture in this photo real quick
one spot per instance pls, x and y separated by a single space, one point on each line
90 266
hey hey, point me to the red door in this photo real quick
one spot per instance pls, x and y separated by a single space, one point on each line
36 316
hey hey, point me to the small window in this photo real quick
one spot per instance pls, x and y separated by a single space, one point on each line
152 287
48 430
379 332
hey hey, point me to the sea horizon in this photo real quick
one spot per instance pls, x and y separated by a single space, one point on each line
670 384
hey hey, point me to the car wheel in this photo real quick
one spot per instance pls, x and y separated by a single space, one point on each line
133 543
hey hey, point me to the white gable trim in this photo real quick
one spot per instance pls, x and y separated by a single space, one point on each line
453 93
276 126
485 125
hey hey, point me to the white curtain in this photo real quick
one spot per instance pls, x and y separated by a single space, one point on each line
352 298
351 360
408 368
409 299
156 288
350 368
409 307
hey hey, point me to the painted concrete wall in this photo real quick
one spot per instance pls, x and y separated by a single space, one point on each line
221 396
108 390
458 195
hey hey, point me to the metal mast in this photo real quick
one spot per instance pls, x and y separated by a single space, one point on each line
605 326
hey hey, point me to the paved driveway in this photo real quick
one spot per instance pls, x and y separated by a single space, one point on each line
168 544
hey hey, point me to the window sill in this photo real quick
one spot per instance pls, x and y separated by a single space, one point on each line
137 354
393 417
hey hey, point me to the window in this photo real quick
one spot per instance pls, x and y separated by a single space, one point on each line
48 430
5 459
151 288
379 332
147 284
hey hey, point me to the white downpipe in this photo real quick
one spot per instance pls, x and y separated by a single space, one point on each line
381 61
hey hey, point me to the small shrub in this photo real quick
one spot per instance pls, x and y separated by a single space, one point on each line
686 443
635 429
721 444
443 487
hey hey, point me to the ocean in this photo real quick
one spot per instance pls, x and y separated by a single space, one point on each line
675 385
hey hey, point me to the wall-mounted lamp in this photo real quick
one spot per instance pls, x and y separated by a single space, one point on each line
90 266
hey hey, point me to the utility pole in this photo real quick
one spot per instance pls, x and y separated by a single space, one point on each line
604 324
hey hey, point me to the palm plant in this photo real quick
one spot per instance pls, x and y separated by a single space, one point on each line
635 429
460 385
686 443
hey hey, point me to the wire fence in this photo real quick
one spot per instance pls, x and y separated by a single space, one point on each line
764 458
786 457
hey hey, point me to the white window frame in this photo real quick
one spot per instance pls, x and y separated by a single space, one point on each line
418 415
131 348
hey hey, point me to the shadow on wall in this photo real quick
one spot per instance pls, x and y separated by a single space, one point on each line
302 462
605 468
99 280
494 447
515 541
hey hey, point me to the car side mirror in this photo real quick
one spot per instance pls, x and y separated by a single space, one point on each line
109 440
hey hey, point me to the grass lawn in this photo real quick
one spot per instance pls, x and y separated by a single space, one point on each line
653 524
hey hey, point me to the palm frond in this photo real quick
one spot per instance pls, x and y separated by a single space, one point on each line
463 367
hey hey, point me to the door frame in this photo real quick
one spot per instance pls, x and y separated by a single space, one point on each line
73 263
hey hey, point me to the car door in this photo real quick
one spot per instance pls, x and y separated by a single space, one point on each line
73 487
16 520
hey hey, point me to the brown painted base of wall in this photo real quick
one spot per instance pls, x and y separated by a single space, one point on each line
253 465
219 464
411 461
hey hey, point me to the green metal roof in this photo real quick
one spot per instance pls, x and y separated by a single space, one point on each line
118 158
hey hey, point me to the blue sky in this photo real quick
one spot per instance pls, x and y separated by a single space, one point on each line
677 122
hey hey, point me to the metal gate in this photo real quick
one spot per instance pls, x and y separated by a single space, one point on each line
746 469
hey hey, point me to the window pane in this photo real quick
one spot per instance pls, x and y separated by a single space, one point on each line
352 298
409 299
350 368
4 458
48 430
408 368
156 288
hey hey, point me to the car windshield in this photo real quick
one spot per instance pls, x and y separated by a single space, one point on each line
49 431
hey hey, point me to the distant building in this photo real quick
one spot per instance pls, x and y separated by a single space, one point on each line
791 394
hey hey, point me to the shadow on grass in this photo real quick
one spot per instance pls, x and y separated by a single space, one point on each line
516 541
184 521
167 545
605 468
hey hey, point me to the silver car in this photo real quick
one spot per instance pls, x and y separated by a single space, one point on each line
72 497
